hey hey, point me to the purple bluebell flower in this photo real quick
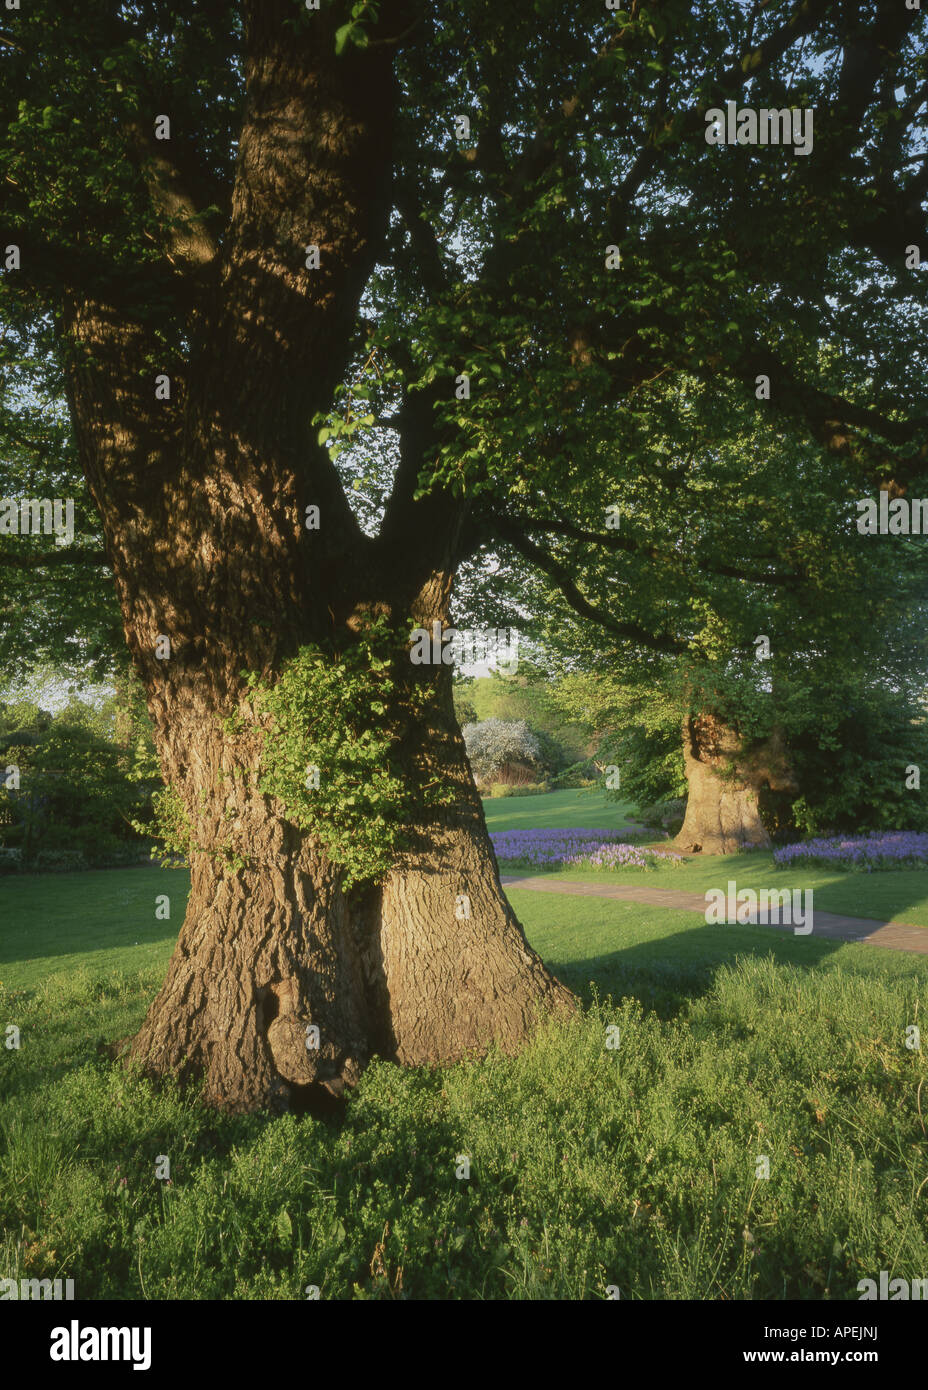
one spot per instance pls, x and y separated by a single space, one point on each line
894 849
556 848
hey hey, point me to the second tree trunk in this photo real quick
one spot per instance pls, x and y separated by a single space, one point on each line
725 779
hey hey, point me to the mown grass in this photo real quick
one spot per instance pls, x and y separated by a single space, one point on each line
102 920
583 808
590 1166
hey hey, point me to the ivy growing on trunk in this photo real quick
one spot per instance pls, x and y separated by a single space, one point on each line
329 744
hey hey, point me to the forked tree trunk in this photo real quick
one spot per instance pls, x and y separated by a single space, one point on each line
725 779
203 494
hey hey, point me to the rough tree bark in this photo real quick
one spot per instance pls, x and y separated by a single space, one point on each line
448 954
725 779
203 499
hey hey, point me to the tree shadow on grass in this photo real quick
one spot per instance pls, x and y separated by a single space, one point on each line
668 973
50 915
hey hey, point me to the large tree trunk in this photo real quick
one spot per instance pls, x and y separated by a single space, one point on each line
725 779
203 497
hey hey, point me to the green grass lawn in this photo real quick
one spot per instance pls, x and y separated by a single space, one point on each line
102 920
591 1165
586 808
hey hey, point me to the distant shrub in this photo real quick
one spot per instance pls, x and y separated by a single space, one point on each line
75 796
581 774
665 815
499 789
11 861
496 744
58 861
123 854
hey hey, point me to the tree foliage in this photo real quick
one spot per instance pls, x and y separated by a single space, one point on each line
486 257
74 793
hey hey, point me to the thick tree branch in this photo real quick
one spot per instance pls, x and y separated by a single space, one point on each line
316 143
187 236
843 427
563 578
613 540
422 233
804 20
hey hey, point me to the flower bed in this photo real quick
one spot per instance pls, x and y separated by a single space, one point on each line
555 849
897 849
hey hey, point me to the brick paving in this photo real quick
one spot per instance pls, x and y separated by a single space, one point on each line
896 936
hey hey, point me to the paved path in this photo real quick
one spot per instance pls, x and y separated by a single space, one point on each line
897 936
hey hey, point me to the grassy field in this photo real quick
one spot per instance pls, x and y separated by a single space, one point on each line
586 808
590 1165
